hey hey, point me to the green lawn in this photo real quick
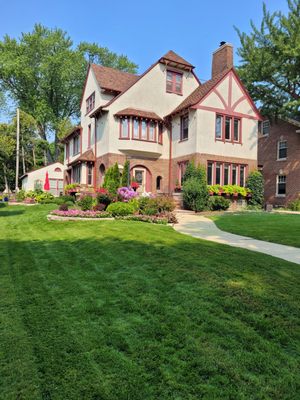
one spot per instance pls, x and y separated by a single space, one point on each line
272 227
119 310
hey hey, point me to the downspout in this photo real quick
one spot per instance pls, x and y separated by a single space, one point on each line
95 144
170 159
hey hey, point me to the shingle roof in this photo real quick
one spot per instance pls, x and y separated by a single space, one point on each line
134 112
113 79
84 157
175 58
199 93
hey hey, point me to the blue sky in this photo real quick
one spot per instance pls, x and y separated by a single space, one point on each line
143 30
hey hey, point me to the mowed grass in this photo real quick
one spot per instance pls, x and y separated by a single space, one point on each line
128 310
272 227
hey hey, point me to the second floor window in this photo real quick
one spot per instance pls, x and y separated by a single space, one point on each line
228 128
184 127
124 128
89 135
282 150
265 129
76 145
174 82
90 103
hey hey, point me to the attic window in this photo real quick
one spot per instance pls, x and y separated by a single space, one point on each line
57 169
174 82
90 103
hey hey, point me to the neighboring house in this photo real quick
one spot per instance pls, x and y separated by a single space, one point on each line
279 160
36 179
161 120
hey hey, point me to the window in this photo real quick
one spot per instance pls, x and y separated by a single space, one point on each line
226 174
76 145
210 173
174 82
89 136
233 174
144 130
77 174
219 127
90 103
227 128
218 173
236 129
124 128
184 127
242 175
152 126
160 134
281 185
282 150
181 170
67 150
57 169
158 182
266 127
89 174
136 129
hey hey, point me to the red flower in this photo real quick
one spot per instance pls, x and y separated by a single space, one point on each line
102 190
134 185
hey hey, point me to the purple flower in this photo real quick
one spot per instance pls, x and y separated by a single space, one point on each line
126 193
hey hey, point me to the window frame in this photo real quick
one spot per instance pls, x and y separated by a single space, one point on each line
265 127
284 148
173 81
78 169
89 174
231 168
223 127
182 119
90 103
75 138
279 183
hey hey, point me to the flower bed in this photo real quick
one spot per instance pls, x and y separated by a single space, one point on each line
144 218
82 214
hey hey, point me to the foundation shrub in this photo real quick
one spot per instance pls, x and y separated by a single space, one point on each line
120 209
217 203
255 182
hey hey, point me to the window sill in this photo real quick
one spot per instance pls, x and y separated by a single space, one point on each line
281 159
124 138
183 140
144 140
179 94
280 195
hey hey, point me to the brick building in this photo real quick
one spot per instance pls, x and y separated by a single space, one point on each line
161 120
279 160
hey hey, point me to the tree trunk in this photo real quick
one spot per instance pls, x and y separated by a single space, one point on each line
23 160
6 190
43 136
33 155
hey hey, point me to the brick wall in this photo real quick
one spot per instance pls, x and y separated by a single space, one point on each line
271 167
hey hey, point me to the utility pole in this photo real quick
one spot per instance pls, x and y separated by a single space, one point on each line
18 150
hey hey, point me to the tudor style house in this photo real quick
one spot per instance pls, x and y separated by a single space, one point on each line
279 160
160 121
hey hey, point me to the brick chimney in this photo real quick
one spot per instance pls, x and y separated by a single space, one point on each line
222 58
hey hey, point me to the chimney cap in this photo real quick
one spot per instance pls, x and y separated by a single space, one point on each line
222 43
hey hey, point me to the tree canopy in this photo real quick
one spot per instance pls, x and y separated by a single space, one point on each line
270 57
44 73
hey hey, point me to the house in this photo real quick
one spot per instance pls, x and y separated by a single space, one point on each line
36 179
279 160
161 120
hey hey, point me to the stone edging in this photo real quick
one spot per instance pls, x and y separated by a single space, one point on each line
51 217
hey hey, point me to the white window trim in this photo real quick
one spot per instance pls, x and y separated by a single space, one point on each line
277 182
281 159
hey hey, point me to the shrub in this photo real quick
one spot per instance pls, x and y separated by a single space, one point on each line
255 183
103 197
63 207
112 179
44 198
125 180
21 195
217 203
195 192
171 217
99 207
135 204
164 203
2 205
120 209
126 193
86 203
294 205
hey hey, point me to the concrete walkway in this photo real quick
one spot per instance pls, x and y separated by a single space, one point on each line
201 227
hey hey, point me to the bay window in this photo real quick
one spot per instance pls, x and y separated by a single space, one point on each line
136 129
144 130
124 128
151 127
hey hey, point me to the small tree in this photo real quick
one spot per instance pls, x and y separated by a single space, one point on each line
195 193
112 179
255 182
189 172
125 181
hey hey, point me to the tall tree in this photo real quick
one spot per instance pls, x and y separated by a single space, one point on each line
44 73
270 58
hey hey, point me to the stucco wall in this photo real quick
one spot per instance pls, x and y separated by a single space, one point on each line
40 174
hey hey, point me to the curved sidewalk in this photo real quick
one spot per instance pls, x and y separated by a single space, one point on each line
204 228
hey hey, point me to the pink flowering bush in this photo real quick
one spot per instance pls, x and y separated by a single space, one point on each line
126 193
82 214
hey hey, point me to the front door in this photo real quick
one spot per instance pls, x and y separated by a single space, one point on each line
140 177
